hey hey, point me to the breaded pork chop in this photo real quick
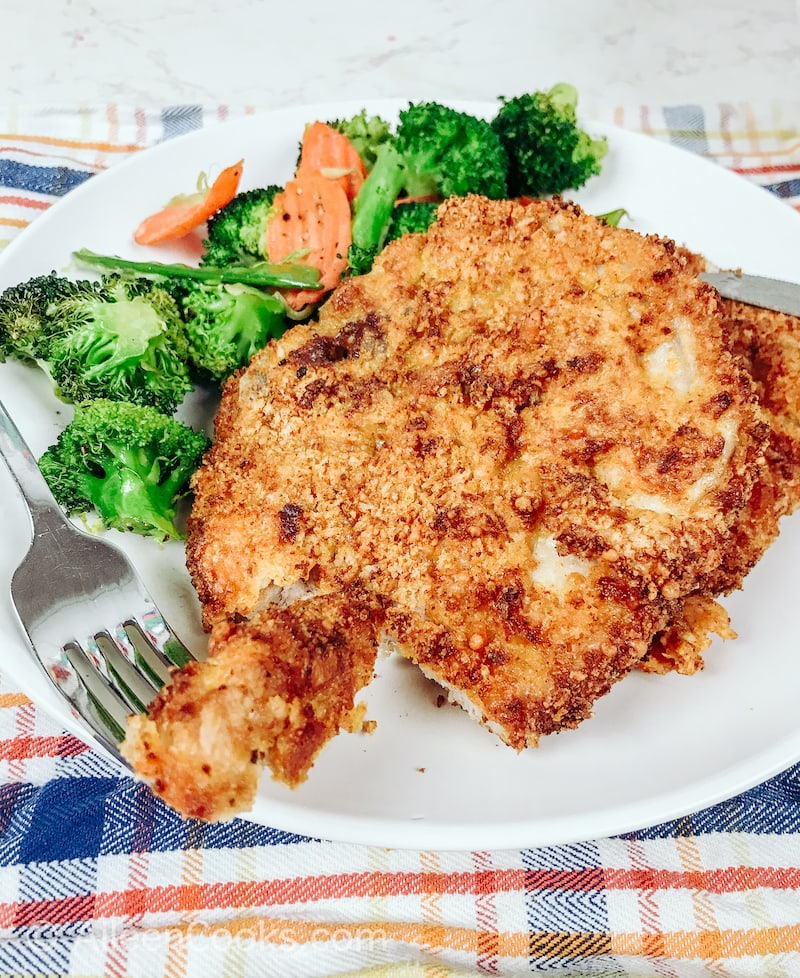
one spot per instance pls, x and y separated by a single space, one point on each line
523 429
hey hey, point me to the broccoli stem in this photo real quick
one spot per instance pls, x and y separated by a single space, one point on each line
374 204
287 275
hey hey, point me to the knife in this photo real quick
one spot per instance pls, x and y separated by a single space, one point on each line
756 290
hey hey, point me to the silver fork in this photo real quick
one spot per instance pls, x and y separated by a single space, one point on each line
87 615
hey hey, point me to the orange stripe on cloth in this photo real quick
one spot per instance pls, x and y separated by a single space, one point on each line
250 893
712 945
39 205
288 932
13 222
302 889
100 145
8 700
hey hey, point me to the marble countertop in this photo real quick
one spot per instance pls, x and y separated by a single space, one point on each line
253 52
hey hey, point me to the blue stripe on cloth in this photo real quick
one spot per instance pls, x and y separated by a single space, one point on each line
771 808
56 881
179 119
86 817
68 820
687 125
582 909
17 804
42 958
576 856
784 189
55 181
568 910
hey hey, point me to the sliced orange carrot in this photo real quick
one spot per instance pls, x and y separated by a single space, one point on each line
327 151
312 220
187 212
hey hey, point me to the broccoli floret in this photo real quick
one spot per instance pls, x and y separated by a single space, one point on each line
411 217
547 150
226 324
26 326
449 153
360 260
129 463
236 232
437 152
123 339
366 133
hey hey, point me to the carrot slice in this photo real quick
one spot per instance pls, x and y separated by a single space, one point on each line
312 217
327 151
184 214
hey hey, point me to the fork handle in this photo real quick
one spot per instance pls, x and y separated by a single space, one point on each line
30 481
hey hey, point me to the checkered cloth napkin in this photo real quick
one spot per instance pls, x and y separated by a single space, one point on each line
97 877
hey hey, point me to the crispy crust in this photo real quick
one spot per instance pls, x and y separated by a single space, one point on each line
274 690
524 429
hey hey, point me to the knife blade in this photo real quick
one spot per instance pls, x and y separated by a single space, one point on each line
757 290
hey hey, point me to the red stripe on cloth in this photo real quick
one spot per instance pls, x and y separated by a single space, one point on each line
40 913
200 896
771 168
301 889
27 746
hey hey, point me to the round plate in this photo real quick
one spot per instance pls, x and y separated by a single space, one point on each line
658 746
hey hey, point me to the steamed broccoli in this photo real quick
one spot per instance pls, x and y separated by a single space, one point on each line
411 217
236 233
366 133
226 324
449 153
396 218
435 153
122 339
109 338
129 463
547 150
26 327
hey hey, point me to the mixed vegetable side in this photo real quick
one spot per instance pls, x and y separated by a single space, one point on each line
127 347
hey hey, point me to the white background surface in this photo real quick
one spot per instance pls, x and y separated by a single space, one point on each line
265 53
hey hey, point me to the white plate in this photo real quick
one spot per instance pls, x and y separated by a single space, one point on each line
658 747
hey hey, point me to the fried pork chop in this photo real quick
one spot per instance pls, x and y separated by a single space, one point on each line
523 431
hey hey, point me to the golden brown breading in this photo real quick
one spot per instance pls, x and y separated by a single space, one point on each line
523 429
768 345
273 691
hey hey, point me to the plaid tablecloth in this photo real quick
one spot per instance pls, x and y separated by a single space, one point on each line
97 877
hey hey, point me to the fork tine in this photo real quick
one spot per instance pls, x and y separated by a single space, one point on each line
113 711
149 657
137 688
